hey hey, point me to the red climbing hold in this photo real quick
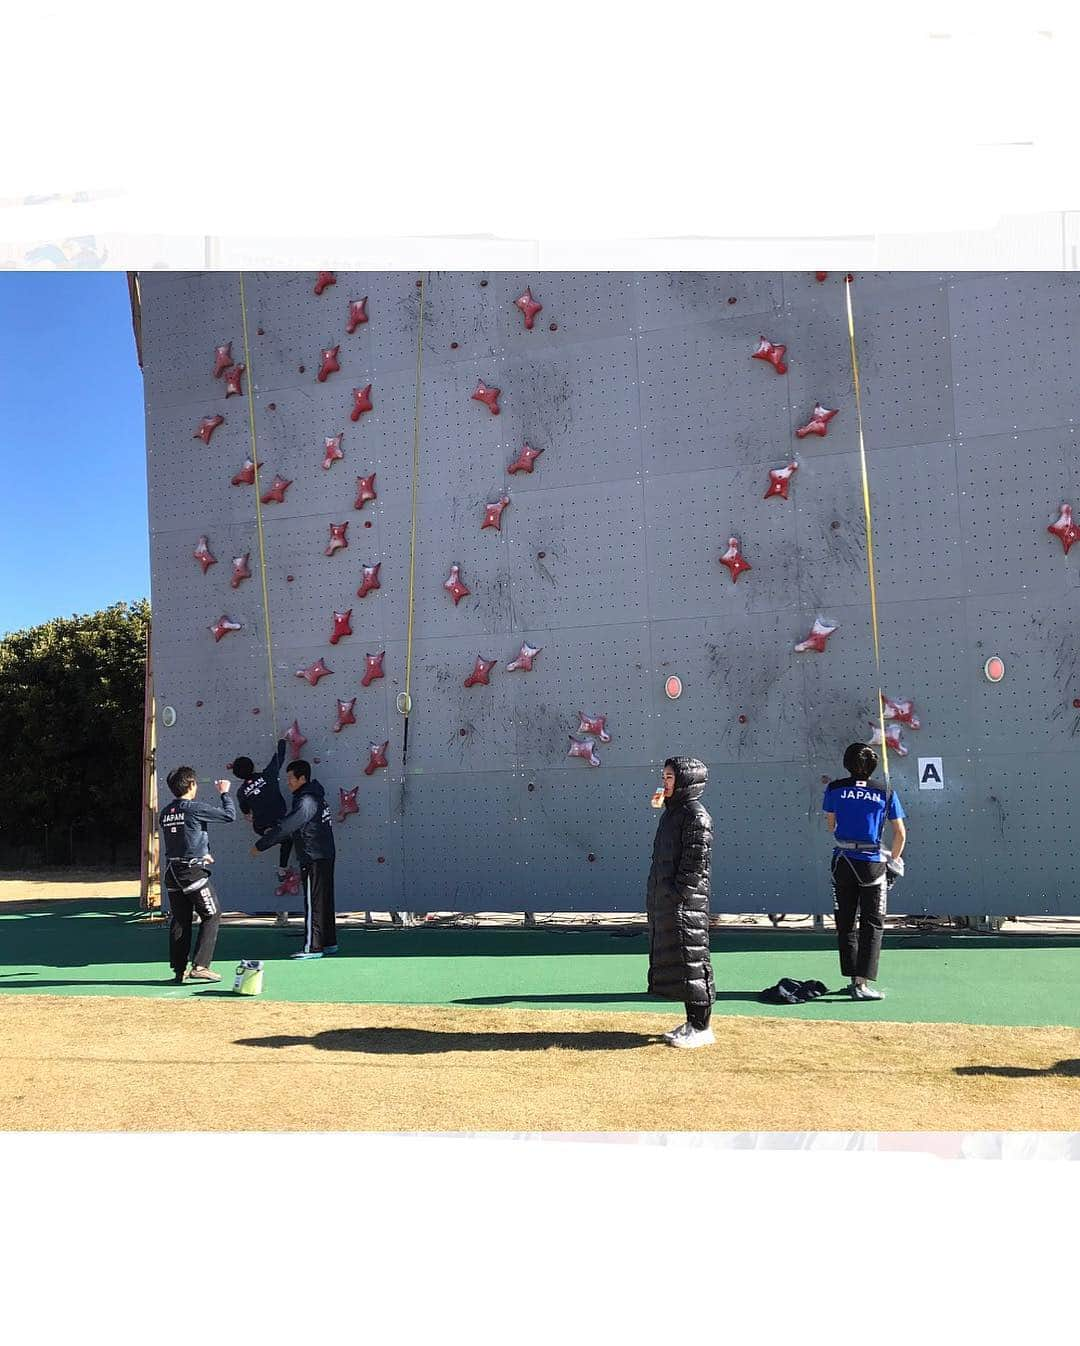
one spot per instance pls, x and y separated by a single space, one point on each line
277 490
892 738
365 491
585 748
369 580
347 803
1065 529
529 307
361 402
455 585
223 626
593 726
240 569
358 314
376 757
295 737
232 381
289 886
733 558
345 714
493 514
329 363
779 480
207 426
314 672
489 397
333 451
816 640
819 276
818 424
324 279
246 475
222 359
337 538
373 668
903 712
342 626
481 674
525 460
204 555
771 354
524 660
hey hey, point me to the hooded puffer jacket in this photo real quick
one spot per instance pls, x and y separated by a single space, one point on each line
677 899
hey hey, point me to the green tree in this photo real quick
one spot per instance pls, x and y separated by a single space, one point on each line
71 716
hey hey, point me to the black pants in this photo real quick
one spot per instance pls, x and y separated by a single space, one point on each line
859 893
189 890
698 1016
317 882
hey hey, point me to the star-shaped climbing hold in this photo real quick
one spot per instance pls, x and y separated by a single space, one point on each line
240 570
373 668
733 558
816 640
246 475
347 803
369 580
524 660
365 491
376 757
295 737
779 480
337 538
525 459
481 674
345 714
276 491
584 748
892 738
489 397
232 381
289 886
203 554
329 363
818 424
493 514
207 426
529 307
771 354
1065 529
333 451
593 726
222 359
361 402
903 712
342 626
223 626
323 279
314 672
455 586
358 314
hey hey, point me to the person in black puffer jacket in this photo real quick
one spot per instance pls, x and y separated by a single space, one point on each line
677 902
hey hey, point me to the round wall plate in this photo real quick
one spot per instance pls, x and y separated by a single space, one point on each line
994 669
673 688
168 716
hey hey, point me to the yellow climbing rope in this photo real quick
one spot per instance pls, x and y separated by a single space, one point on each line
404 702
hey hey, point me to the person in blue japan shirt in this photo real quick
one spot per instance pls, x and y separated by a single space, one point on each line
856 810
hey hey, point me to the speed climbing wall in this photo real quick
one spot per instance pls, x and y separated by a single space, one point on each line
623 478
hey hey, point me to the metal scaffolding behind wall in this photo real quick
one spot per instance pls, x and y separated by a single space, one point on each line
658 432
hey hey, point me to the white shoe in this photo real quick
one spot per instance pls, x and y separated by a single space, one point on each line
865 992
693 1037
677 1032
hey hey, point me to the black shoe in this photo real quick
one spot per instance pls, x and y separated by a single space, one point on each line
178 977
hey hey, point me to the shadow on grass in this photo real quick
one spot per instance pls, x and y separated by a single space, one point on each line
1062 1069
424 1042
600 998
42 983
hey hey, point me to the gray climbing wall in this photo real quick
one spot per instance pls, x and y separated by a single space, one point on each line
658 432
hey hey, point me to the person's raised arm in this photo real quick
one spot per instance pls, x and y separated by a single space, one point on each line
275 763
225 812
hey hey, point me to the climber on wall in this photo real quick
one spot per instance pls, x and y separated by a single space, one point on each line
677 902
856 809
187 873
259 798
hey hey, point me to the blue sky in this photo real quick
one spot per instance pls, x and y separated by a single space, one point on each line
72 447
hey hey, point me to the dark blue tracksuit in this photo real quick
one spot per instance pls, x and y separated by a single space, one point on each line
260 799
311 825
183 824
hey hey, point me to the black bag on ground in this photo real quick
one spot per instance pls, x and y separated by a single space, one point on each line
788 991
